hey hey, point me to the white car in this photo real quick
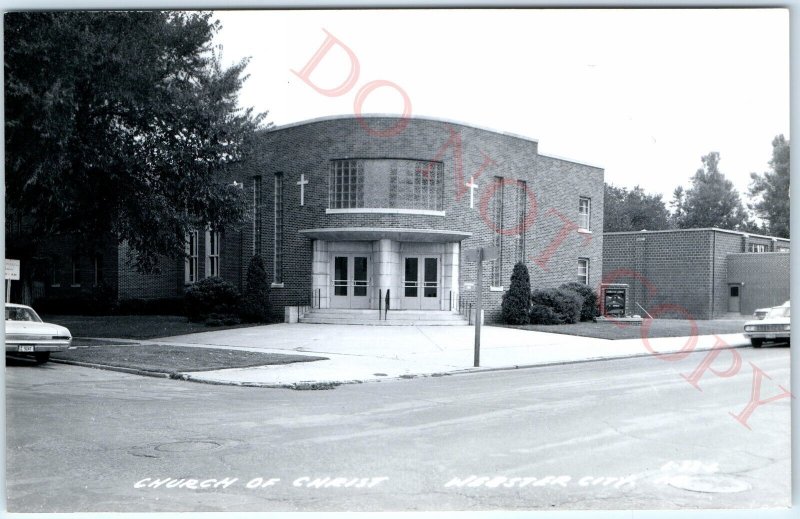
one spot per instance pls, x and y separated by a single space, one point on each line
775 326
761 313
27 334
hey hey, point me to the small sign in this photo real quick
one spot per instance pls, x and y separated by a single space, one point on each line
12 269
614 302
469 286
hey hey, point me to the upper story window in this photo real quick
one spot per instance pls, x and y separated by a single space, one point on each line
277 245
757 247
584 213
76 270
583 271
386 183
212 254
346 189
190 271
257 215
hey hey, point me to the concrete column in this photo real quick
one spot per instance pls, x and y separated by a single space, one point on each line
386 276
320 269
450 275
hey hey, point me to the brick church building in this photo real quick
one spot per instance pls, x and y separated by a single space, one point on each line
344 209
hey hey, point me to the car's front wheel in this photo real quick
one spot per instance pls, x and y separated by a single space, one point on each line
41 357
756 342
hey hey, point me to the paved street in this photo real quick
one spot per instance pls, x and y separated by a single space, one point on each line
612 434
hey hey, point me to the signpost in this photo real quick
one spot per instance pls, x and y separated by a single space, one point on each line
479 256
12 274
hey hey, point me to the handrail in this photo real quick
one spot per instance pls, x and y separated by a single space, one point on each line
645 311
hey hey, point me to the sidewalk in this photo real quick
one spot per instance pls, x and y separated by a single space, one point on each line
366 353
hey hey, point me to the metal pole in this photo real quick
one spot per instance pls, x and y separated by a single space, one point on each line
380 303
478 307
8 290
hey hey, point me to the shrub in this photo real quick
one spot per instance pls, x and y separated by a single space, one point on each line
555 306
589 309
208 296
516 301
255 301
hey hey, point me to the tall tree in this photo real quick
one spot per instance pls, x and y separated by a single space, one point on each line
633 210
770 191
121 124
711 201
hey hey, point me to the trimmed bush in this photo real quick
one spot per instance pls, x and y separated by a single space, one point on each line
516 301
589 309
555 306
255 301
209 296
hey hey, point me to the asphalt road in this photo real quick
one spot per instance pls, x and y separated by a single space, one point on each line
81 439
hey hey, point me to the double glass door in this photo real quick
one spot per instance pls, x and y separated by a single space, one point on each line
350 282
421 290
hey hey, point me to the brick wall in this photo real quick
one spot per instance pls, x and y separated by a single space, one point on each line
764 279
168 282
687 268
308 148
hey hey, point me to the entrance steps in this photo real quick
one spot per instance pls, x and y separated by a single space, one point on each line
393 318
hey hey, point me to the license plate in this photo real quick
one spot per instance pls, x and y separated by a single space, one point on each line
25 349
769 336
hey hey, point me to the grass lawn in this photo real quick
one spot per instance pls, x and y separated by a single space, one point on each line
131 326
162 358
658 328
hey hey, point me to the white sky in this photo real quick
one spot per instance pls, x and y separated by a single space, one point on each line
642 93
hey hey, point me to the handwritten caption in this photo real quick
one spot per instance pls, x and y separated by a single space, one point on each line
472 481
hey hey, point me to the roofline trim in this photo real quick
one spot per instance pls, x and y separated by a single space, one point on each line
567 159
399 116
717 229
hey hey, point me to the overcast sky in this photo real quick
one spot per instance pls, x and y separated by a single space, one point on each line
641 93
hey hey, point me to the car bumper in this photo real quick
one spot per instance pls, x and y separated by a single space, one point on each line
36 347
768 336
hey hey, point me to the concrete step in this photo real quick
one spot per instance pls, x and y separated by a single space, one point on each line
375 322
398 315
393 318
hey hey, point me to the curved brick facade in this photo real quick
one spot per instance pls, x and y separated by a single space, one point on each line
552 243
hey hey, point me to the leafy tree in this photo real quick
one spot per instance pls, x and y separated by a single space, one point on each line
633 210
255 301
516 301
120 124
711 201
770 191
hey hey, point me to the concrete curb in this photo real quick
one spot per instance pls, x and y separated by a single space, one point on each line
330 384
130 371
583 361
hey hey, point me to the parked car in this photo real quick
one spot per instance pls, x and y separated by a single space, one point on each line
26 334
761 313
775 326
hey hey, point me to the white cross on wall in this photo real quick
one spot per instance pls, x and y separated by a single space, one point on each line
472 186
302 183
